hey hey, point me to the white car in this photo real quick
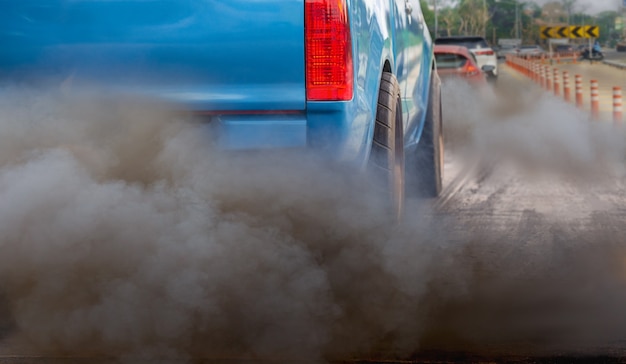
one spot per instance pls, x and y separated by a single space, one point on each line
485 55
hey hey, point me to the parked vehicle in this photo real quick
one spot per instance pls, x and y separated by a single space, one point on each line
485 55
458 62
351 80
503 51
532 50
564 48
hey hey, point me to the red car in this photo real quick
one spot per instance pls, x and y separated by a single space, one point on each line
458 61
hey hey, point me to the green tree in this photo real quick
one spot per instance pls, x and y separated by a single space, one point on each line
493 19
473 17
449 21
606 21
429 16
531 28
569 6
581 19
503 20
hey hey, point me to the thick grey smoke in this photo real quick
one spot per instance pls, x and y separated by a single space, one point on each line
533 131
125 233
544 280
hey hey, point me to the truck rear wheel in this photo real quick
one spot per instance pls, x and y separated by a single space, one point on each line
425 166
387 155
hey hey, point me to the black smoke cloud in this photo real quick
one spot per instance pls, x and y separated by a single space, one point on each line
124 233
534 131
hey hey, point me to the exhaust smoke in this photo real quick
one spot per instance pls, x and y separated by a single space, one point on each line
124 233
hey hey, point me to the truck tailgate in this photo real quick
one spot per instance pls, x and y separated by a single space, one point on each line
206 54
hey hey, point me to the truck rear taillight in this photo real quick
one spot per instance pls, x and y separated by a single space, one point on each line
329 70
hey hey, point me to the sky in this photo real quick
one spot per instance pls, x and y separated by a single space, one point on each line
592 6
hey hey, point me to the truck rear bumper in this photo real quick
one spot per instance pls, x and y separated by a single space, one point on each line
249 132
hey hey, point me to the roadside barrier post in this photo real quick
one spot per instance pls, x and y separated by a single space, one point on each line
579 91
557 86
617 105
566 87
595 100
548 80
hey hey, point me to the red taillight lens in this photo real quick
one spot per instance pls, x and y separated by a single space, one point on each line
329 72
470 69
485 53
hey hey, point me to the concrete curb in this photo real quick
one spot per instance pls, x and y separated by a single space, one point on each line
616 64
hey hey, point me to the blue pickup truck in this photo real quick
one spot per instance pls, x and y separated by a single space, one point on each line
352 79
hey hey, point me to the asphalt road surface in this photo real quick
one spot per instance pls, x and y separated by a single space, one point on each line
543 213
522 259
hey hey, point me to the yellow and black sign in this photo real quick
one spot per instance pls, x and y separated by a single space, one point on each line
592 31
546 32
575 31
554 32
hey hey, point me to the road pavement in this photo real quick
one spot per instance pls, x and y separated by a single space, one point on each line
542 212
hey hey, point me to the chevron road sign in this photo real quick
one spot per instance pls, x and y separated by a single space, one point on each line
592 31
562 32
576 31
558 32
547 32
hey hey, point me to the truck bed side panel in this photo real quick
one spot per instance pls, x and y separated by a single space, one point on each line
205 54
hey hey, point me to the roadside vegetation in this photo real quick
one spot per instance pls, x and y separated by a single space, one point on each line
496 19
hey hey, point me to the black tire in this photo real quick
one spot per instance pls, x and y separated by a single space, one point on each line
387 154
425 165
